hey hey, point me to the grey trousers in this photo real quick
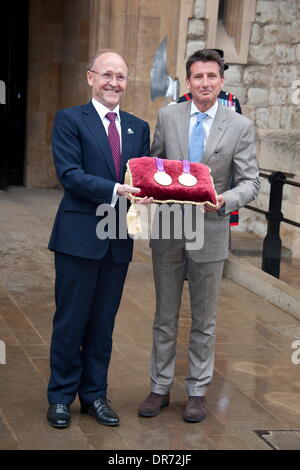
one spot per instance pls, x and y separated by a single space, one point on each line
170 269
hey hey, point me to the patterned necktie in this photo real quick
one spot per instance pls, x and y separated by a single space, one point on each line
114 141
196 143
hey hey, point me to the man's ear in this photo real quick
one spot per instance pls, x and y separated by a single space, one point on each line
89 77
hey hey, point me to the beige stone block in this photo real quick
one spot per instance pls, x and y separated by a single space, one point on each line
266 11
193 46
270 34
287 11
295 123
256 75
277 96
285 54
196 29
257 97
233 76
256 34
277 150
285 35
260 55
298 53
295 36
274 117
262 118
284 75
286 117
199 8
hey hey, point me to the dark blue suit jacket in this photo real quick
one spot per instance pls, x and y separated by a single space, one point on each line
85 168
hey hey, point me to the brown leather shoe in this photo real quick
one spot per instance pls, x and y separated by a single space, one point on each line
153 404
195 410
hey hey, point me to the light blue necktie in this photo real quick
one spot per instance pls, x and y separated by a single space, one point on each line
196 143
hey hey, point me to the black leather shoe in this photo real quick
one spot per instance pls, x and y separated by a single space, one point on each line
59 415
102 412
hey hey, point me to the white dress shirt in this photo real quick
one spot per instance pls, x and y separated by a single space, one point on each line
207 122
102 111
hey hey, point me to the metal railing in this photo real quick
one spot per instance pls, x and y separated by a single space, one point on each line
271 255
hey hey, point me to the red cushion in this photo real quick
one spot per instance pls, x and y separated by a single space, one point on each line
140 172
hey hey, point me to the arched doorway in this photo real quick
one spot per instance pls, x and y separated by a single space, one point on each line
13 75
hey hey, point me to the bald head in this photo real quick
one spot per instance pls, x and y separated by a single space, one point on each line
102 52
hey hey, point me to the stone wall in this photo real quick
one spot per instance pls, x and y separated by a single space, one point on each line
266 89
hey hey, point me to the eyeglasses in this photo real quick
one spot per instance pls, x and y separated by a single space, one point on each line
107 77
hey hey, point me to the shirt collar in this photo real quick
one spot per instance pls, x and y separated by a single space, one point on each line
103 110
211 112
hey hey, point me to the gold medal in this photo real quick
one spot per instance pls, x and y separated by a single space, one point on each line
162 178
186 179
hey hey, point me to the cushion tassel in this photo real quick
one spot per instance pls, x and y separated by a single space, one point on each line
134 225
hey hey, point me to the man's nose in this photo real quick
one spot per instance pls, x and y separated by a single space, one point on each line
114 81
205 80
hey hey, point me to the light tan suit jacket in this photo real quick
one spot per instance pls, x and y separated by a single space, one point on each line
229 152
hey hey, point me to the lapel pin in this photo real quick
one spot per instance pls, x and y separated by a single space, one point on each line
130 131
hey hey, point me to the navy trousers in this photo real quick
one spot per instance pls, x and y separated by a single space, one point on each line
87 294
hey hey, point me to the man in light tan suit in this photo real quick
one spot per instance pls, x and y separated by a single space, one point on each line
200 130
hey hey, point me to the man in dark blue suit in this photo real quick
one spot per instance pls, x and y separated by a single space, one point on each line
91 145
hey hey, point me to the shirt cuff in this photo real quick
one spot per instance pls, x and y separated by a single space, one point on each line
115 196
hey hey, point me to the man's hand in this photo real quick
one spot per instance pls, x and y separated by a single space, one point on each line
220 203
126 191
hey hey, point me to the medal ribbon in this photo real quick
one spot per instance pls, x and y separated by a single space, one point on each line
159 164
186 166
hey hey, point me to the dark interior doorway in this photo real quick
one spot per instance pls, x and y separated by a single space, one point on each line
13 75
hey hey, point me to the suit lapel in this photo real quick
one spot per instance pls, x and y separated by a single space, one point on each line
216 132
127 139
183 123
96 127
